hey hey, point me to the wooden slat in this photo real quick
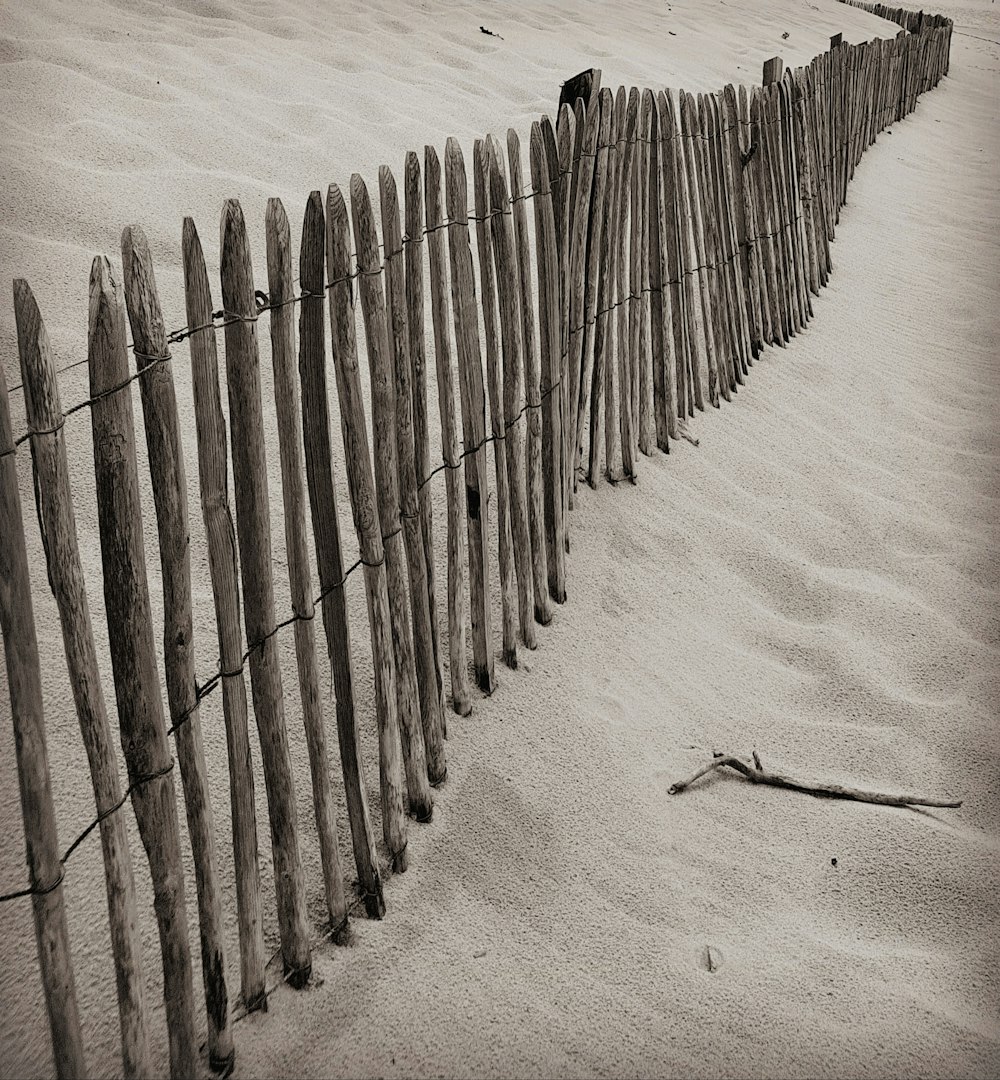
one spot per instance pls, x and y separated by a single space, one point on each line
133 655
213 477
57 521
253 527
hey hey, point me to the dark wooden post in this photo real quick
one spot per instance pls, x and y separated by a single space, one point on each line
427 686
166 470
513 395
772 70
133 655
642 378
57 521
532 392
440 319
253 524
494 380
24 679
213 474
330 569
414 222
286 400
676 241
463 300
553 425
381 368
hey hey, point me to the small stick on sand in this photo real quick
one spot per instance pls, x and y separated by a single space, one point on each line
757 775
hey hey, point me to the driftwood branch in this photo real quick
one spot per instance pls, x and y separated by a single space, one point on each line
756 774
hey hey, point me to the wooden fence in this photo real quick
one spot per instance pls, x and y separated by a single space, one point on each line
673 236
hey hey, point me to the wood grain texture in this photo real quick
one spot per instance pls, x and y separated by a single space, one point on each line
470 367
414 264
24 681
514 416
494 382
441 322
380 365
57 523
553 425
532 392
330 568
284 358
213 479
429 716
133 655
253 526
167 477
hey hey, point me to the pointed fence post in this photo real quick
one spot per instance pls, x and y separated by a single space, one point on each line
213 475
57 521
24 679
133 655
286 400
253 525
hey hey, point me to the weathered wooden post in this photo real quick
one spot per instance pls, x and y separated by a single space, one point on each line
286 399
463 300
57 521
380 364
414 222
213 477
253 524
440 320
532 392
494 381
24 679
330 568
166 469
431 715
133 655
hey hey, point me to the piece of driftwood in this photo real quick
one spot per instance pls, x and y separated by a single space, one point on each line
756 774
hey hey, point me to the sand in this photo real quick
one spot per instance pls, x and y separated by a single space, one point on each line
818 579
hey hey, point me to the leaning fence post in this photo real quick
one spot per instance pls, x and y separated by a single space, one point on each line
449 439
414 223
380 365
532 390
286 400
553 422
330 569
57 522
166 469
133 654
213 476
513 397
642 379
494 377
425 662
463 298
253 525
24 680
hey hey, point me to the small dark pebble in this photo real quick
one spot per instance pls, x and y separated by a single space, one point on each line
833 861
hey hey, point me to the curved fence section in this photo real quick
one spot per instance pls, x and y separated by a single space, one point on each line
541 315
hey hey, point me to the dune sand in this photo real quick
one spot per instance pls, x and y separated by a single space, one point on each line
818 579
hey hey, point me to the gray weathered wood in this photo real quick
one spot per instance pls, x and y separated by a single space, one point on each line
422 641
414 223
440 320
330 569
494 382
166 470
463 300
133 655
253 527
57 523
213 479
24 681
284 358
532 392
381 371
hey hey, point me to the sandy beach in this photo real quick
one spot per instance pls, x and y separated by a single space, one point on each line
817 580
